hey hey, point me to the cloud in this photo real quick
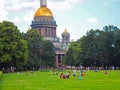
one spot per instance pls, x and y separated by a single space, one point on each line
92 20
63 4
105 4
3 11
21 6
28 17
110 2
26 6
22 11
78 1
72 1
29 5
16 20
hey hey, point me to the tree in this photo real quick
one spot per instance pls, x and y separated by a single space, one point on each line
48 55
94 48
35 44
69 61
73 57
116 47
13 48
112 37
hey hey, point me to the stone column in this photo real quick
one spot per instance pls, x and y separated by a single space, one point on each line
61 60
50 32
56 60
54 32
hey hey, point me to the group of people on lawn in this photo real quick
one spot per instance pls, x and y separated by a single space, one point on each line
78 74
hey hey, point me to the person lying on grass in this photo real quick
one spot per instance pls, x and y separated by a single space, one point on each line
64 76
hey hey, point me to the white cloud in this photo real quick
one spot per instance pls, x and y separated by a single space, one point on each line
22 6
27 6
73 1
28 18
77 1
92 20
3 11
105 4
16 20
21 12
110 2
63 4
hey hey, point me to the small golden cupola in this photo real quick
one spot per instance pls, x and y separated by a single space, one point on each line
65 39
28 29
65 31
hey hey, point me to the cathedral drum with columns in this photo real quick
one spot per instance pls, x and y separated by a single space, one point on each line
45 25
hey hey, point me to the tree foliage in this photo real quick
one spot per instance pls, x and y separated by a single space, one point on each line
96 48
48 55
13 48
41 52
34 48
73 55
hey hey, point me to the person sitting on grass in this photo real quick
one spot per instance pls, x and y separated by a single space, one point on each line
83 74
80 75
54 73
68 75
106 72
64 76
96 69
74 73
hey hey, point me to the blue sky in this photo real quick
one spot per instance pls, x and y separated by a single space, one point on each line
77 16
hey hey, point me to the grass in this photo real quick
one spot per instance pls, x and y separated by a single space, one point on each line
0 74
46 81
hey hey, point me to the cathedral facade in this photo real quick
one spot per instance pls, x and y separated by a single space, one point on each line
46 26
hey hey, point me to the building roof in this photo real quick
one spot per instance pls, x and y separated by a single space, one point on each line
43 11
65 31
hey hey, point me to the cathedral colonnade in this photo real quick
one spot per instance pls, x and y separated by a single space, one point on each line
59 58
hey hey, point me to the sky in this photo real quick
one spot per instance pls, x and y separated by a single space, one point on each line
77 16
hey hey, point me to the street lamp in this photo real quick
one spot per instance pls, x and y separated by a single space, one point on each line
113 45
112 55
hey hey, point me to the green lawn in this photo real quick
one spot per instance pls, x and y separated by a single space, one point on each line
46 81
0 74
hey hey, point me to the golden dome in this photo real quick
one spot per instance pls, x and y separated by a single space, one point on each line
43 11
